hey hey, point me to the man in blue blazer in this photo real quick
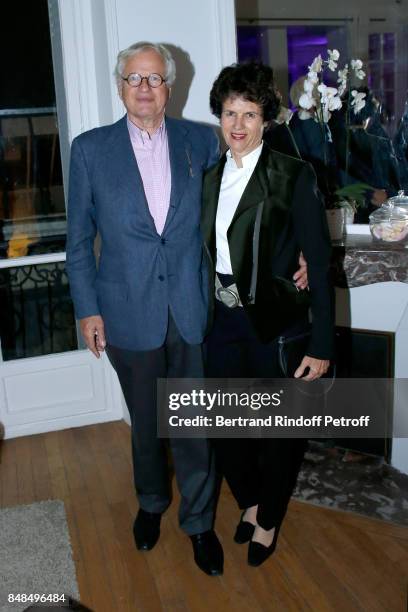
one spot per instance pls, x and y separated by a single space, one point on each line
137 183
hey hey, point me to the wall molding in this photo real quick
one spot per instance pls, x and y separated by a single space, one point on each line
79 71
226 33
112 36
30 406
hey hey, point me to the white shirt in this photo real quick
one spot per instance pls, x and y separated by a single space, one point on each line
234 181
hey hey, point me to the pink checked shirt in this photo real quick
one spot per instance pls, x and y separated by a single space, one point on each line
152 156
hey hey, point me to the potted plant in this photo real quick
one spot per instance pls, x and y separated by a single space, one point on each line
349 198
319 101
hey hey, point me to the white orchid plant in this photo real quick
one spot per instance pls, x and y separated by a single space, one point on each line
320 100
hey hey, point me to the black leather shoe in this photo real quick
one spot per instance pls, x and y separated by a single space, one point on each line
146 529
244 532
208 553
258 553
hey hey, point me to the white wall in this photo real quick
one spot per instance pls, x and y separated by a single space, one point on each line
204 31
203 37
73 388
390 314
201 34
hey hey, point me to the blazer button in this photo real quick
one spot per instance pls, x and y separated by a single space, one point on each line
161 277
163 241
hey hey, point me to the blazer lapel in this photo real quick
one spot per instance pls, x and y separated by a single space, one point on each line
269 186
180 163
257 188
211 192
121 163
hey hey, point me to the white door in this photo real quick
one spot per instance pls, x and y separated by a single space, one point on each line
47 380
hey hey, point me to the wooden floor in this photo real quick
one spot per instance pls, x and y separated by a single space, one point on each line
325 560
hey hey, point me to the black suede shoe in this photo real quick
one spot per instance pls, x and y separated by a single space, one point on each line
244 532
146 529
258 553
208 553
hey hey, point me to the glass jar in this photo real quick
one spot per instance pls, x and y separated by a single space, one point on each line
400 200
390 222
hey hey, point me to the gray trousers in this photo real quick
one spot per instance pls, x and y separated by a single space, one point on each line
192 458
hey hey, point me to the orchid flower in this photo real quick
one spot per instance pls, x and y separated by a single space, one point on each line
308 86
307 101
284 115
318 100
332 61
330 100
312 77
357 67
342 80
357 101
317 64
356 64
319 97
334 55
328 94
304 114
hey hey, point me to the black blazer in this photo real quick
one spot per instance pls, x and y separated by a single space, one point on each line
281 210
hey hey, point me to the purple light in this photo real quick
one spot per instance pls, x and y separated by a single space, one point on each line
250 43
304 43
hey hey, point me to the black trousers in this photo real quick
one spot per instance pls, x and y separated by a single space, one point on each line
192 458
263 471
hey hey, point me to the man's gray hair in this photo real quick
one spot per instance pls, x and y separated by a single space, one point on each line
123 56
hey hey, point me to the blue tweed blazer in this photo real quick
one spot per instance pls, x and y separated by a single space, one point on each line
140 274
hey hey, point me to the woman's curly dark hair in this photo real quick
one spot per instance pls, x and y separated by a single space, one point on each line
252 81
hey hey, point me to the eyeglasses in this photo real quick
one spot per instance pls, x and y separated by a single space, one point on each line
135 80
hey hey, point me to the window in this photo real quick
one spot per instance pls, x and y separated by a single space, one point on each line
382 69
36 313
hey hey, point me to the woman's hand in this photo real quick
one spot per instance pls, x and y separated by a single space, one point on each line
317 367
300 277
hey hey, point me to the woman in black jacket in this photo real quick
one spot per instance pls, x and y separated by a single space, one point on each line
260 210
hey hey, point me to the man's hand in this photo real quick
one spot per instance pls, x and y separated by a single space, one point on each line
300 277
92 329
317 367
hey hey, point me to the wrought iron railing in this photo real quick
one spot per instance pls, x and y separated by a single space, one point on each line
36 312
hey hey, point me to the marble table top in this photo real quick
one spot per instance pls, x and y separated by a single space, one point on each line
359 260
